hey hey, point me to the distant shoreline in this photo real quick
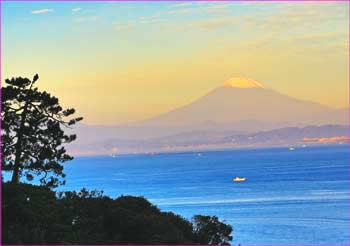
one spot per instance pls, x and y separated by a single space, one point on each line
239 148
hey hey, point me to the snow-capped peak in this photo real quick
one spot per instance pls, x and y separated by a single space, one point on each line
241 82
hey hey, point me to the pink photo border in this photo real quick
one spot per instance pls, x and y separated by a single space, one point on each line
1 77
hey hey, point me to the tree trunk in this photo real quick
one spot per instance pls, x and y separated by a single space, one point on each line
17 165
15 175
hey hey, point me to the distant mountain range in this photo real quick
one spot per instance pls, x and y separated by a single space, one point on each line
202 140
293 135
241 112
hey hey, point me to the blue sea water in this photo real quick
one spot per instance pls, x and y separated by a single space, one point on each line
290 197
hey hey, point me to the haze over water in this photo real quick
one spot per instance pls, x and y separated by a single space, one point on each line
290 197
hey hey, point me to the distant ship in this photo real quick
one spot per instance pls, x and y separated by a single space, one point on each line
239 179
291 148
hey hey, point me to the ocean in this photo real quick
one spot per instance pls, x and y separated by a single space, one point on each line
289 197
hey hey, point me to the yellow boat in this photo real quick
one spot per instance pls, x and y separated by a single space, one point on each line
238 179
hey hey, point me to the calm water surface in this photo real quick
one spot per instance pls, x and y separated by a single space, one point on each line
290 197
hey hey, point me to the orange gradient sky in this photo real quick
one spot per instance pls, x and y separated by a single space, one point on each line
118 62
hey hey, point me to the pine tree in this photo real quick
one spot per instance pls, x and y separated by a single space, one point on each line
31 131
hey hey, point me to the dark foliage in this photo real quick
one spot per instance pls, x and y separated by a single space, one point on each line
32 136
32 141
38 215
209 230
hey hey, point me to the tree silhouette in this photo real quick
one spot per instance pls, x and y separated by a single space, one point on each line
209 230
31 132
36 215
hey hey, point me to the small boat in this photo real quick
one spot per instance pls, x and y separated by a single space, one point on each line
291 148
239 179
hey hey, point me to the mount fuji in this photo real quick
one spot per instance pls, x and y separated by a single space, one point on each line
246 100
239 107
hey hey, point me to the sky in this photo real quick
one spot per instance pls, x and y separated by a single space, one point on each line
119 62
